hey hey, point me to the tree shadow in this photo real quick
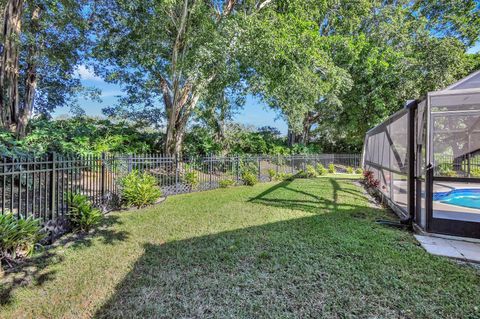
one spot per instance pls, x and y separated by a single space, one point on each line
309 267
317 197
34 270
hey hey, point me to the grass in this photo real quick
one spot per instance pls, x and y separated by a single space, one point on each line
305 248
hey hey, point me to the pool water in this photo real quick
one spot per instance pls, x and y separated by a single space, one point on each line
461 197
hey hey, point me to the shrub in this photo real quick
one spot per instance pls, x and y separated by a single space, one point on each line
446 169
226 183
249 178
249 167
359 171
321 170
272 174
331 168
301 174
139 189
350 170
475 172
310 171
191 178
284 176
82 215
369 180
18 237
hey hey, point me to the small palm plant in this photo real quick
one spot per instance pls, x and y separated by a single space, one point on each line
139 189
18 237
82 215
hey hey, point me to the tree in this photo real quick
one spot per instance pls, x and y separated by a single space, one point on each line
390 51
168 54
43 41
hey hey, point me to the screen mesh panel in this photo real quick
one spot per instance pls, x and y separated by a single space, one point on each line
456 136
386 156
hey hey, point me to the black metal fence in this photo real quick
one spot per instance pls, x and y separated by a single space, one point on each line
39 186
467 165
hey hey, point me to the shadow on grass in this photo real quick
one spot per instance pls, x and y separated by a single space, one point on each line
33 270
306 267
311 267
318 197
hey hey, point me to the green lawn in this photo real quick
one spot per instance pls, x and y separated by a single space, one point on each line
306 248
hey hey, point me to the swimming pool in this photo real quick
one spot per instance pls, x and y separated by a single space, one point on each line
461 197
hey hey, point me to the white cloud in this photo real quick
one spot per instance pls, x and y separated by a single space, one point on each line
86 74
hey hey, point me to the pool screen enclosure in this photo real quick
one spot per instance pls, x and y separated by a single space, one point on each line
426 158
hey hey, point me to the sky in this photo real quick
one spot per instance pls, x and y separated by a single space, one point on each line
254 113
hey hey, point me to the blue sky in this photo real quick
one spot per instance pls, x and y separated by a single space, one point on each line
475 48
254 112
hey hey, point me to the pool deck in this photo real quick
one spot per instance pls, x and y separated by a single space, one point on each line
467 251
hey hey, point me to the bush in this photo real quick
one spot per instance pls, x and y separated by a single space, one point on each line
446 169
284 176
359 171
139 189
191 178
350 170
321 170
331 168
475 172
226 183
310 171
370 181
82 215
301 174
249 178
272 174
18 237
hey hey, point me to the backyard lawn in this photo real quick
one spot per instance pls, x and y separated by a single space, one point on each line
305 248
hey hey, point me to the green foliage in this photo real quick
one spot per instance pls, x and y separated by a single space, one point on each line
139 189
226 183
331 168
475 171
321 170
192 179
80 136
248 166
82 215
359 171
18 237
350 170
310 171
446 169
285 176
272 174
249 178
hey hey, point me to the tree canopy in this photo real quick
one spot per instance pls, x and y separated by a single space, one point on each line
331 68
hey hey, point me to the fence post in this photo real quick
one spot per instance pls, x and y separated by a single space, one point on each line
53 185
259 160
237 167
176 173
210 169
102 179
129 163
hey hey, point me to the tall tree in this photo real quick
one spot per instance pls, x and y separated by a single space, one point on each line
42 43
168 54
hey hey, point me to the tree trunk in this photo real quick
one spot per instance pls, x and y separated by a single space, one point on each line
31 78
9 95
293 137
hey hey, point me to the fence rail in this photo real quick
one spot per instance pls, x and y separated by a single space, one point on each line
38 186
